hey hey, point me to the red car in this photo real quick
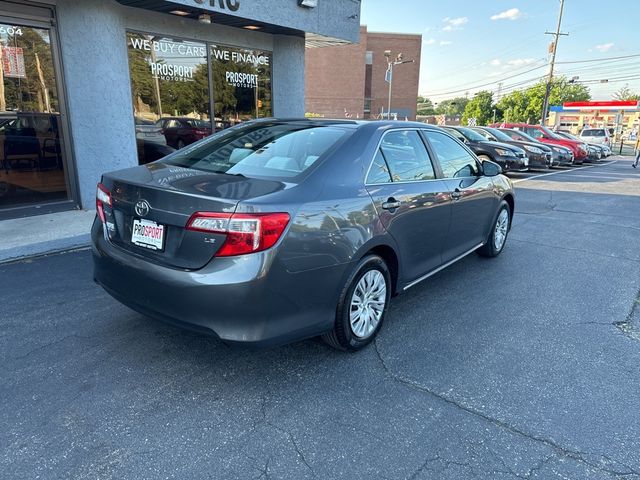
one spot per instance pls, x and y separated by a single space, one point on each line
183 131
544 135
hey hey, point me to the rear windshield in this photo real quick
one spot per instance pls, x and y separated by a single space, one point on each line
197 123
471 135
501 136
593 133
271 150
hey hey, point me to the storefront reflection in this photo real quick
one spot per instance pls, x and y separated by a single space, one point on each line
32 163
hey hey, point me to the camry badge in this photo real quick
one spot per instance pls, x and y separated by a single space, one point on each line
142 208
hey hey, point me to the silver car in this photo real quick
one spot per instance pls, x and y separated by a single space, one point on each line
595 135
275 231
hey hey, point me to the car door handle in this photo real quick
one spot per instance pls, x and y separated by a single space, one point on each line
391 204
456 194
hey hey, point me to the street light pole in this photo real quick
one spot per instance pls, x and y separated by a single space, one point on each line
390 64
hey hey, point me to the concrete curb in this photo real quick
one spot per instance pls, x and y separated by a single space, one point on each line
44 248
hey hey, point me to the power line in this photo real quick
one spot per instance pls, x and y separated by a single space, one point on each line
487 84
599 59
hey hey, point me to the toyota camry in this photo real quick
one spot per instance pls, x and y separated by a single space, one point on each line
278 230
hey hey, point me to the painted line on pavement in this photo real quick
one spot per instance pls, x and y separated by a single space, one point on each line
562 171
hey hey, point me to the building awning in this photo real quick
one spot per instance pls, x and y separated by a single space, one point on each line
300 22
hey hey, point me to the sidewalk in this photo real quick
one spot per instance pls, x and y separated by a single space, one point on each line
24 237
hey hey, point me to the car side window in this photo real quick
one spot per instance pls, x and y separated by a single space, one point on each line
535 133
379 172
406 156
455 133
172 124
455 160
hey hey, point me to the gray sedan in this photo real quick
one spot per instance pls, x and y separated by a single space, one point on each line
275 231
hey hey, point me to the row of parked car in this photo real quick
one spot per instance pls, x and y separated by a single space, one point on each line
520 147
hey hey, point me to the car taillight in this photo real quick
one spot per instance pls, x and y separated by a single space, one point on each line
103 197
246 232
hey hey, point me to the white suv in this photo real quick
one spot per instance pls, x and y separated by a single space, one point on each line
596 135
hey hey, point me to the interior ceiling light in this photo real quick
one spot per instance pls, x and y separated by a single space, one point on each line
181 13
252 27
204 18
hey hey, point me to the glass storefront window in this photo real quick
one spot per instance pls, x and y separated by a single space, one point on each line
170 88
32 159
172 98
241 83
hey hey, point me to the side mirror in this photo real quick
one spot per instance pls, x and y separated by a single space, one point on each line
491 169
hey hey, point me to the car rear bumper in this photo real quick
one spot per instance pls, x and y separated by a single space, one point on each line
245 299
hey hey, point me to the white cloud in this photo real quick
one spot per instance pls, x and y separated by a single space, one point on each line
521 61
605 47
431 41
495 62
454 23
511 14
445 42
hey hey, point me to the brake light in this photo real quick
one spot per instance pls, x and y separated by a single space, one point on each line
246 232
103 197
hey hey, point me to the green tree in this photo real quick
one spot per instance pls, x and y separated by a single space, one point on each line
452 106
425 106
625 93
526 105
479 107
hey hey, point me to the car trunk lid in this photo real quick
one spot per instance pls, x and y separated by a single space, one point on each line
152 204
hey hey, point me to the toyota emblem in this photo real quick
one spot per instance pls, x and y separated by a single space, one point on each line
142 208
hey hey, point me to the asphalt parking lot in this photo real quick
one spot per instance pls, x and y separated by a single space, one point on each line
525 366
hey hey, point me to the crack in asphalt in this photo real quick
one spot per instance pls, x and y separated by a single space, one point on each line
422 467
292 439
562 451
627 326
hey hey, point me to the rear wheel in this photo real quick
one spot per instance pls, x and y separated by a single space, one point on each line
498 236
362 306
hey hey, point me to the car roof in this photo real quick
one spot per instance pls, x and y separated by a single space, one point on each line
352 124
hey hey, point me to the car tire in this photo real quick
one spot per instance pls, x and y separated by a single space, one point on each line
358 320
180 144
499 232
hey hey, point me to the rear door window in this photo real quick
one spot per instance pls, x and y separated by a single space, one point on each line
455 160
406 156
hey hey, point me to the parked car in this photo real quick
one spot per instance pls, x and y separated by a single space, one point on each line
148 131
510 158
262 235
544 135
151 151
595 135
539 155
182 131
561 156
602 150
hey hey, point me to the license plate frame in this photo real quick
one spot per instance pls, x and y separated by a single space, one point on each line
148 234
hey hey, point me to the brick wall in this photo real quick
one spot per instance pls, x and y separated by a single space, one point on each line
405 77
335 76
334 79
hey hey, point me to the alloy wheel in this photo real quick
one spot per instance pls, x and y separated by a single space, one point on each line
367 303
500 232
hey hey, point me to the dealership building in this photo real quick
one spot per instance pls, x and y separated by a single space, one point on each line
84 83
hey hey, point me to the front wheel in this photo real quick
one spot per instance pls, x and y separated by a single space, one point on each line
362 305
498 236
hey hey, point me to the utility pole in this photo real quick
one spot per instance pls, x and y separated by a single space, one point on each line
556 35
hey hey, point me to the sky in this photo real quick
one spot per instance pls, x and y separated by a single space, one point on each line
473 45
